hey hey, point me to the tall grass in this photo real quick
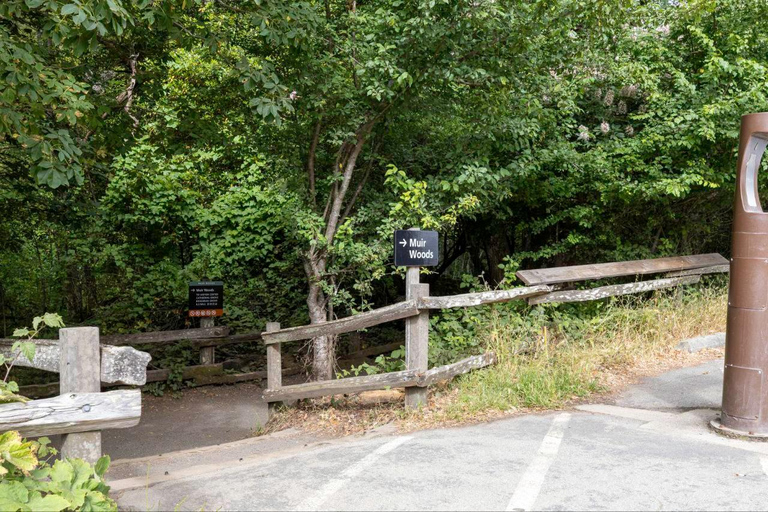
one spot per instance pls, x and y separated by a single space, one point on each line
557 353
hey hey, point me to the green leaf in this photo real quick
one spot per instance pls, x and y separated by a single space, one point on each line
49 503
102 465
14 491
28 350
62 472
69 9
21 333
53 320
17 452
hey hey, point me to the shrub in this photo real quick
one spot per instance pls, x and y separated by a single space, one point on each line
29 483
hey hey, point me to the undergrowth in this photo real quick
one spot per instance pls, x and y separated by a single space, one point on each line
562 353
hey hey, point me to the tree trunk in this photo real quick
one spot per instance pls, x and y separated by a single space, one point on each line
315 260
323 353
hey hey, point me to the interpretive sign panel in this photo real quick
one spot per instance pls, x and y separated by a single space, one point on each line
206 298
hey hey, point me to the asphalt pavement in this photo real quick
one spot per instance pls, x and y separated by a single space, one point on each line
649 448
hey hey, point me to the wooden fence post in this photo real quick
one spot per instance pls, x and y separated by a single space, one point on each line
274 364
80 372
416 338
207 354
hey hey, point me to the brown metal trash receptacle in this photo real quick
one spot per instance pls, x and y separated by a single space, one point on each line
745 407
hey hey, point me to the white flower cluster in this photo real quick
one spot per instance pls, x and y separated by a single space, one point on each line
608 100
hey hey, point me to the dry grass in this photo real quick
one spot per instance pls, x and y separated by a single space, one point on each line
548 361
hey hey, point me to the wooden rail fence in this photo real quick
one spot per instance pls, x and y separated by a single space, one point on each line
545 286
81 410
549 285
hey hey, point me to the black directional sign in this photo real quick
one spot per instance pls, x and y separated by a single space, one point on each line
206 298
415 248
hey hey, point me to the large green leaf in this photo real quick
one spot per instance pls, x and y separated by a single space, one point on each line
48 503
21 454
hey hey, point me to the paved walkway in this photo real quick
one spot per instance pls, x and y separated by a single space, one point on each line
201 416
648 449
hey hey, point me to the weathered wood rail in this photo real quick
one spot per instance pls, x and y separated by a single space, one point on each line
119 365
399 379
82 410
619 269
545 286
73 412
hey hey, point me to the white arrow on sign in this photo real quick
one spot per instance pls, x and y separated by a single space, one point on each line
402 242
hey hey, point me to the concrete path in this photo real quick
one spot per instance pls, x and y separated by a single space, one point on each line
648 449
202 416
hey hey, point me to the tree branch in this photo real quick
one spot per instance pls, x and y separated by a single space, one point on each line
349 169
311 162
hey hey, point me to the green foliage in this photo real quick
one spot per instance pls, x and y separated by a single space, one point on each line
174 357
25 349
394 362
528 133
29 484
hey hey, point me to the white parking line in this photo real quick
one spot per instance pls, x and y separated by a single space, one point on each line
314 502
530 484
764 463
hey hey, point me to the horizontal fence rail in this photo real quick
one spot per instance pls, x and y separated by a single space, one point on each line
348 324
73 412
618 269
119 365
614 290
399 379
480 298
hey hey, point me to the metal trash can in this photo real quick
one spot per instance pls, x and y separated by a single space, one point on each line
745 407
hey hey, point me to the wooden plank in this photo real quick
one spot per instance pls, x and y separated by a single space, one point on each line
450 371
39 390
73 412
617 269
145 338
79 372
401 379
477 299
416 342
274 360
119 365
195 373
351 323
227 340
207 352
343 386
717 269
602 292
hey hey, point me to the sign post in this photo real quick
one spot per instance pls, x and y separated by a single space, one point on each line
414 249
206 301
